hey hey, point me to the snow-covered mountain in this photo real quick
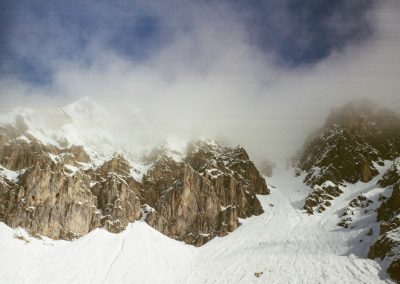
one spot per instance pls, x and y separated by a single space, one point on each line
354 145
84 122
78 204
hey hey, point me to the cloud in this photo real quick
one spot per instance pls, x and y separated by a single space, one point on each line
194 69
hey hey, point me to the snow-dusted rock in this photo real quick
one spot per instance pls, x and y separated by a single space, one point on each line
321 197
202 195
353 140
388 245
60 193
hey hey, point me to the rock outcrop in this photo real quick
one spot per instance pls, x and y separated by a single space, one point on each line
59 193
321 197
202 196
347 148
56 192
388 245
356 204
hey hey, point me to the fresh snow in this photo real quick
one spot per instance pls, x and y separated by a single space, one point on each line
138 170
8 174
328 183
283 245
140 254
73 125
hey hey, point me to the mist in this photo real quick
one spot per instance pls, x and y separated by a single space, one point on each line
208 77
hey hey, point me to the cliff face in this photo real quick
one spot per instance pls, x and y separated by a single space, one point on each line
59 193
353 140
347 149
388 245
203 195
52 193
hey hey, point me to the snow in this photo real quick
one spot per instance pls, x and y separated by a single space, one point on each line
140 254
23 138
138 170
54 158
71 169
73 125
8 174
287 245
328 183
283 245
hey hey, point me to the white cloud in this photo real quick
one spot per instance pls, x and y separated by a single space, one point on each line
210 81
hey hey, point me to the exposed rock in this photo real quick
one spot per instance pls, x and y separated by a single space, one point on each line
321 197
346 148
59 193
48 202
50 193
202 196
388 245
233 162
338 156
360 202
352 138
392 175
189 209
117 194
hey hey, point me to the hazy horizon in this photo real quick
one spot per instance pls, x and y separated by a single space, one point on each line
263 75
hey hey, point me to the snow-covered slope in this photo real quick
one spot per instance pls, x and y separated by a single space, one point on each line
140 254
283 245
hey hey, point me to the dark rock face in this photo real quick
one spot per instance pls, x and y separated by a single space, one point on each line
189 209
117 194
346 147
54 195
391 176
203 195
388 245
360 202
321 197
352 138
57 192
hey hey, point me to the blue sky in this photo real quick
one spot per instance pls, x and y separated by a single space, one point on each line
35 35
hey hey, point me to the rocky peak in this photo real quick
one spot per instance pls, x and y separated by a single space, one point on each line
388 245
352 140
347 148
392 175
117 164
377 126
218 181
58 192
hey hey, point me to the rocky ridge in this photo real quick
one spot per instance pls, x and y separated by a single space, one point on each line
353 141
60 193
387 247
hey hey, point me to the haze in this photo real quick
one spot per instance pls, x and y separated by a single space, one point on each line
213 69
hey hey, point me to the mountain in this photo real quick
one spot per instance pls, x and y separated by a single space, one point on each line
59 192
353 146
77 208
354 140
387 247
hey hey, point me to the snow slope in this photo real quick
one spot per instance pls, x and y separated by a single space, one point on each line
288 246
140 254
283 245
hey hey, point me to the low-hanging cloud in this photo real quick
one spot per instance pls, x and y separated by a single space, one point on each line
208 76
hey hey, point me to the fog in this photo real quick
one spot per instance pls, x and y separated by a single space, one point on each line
211 80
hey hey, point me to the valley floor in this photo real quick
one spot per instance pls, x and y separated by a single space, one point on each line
283 245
